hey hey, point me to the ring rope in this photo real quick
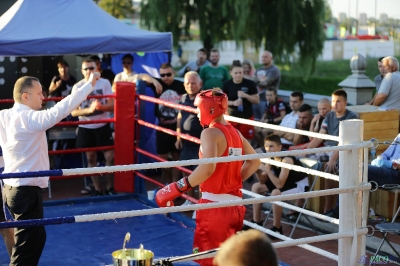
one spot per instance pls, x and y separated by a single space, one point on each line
169 131
55 99
77 150
301 169
242 120
149 154
75 123
295 208
134 167
221 204
281 128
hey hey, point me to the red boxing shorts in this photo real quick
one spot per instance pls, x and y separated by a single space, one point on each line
214 226
246 130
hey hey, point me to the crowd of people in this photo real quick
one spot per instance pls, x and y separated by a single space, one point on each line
243 92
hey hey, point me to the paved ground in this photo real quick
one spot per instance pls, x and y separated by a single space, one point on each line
70 188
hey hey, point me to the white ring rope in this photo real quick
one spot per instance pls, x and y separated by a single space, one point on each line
280 128
302 242
146 166
125 214
295 208
301 169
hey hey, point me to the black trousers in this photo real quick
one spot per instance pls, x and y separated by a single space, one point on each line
26 202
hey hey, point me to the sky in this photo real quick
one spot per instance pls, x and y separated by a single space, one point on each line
390 7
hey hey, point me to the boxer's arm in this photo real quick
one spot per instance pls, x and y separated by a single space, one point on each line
249 166
211 139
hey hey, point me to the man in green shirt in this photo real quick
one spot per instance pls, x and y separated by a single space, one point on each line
213 75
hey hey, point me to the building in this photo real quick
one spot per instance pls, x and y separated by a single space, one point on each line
362 19
383 18
342 17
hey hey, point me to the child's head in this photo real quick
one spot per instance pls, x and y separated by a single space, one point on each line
272 143
324 107
271 95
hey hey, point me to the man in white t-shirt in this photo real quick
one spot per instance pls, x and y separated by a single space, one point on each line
290 120
96 135
128 75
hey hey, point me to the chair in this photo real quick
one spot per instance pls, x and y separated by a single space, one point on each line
388 228
394 188
304 185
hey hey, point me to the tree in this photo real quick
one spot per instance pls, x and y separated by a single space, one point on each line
280 26
117 8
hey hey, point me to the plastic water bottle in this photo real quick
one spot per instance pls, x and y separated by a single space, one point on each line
372 154
240 107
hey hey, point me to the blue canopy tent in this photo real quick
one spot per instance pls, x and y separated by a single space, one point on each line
62 27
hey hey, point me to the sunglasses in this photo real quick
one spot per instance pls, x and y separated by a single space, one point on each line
88 68
166 75
126 63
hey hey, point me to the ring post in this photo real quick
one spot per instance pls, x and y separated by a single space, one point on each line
350 174
124 112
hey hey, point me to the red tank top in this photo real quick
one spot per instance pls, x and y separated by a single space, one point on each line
226 178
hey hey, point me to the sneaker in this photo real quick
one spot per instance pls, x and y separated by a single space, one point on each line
96 194
246 227
274 229
110 191
187 202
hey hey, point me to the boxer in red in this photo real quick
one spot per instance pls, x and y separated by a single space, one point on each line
218 181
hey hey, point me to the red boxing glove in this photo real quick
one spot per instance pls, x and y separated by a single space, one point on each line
166 195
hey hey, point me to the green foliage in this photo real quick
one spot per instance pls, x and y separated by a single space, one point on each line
117 8
326 77
316 85
280 25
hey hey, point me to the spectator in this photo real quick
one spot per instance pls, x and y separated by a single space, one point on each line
172 90
242 93
99 134
267 76
61 84
388 96
22 131
331 126
382 170
290 120
303 123
275 111
324 107
195 65
378 79
213 75
189 123
105 73
128 75
275 180
248 248
248 69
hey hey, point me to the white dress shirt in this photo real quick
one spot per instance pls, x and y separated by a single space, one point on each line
23 136
289 121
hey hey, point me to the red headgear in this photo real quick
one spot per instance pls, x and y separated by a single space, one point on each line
211 103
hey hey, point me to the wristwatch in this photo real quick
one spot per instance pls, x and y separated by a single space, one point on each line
394 165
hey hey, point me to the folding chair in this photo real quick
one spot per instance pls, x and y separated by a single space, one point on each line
304 184
388 228
394 188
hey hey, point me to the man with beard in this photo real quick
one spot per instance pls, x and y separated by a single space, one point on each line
214 76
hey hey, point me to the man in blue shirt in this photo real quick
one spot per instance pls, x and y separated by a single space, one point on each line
382 170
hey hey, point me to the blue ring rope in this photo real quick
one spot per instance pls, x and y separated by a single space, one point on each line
38 222
32 174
